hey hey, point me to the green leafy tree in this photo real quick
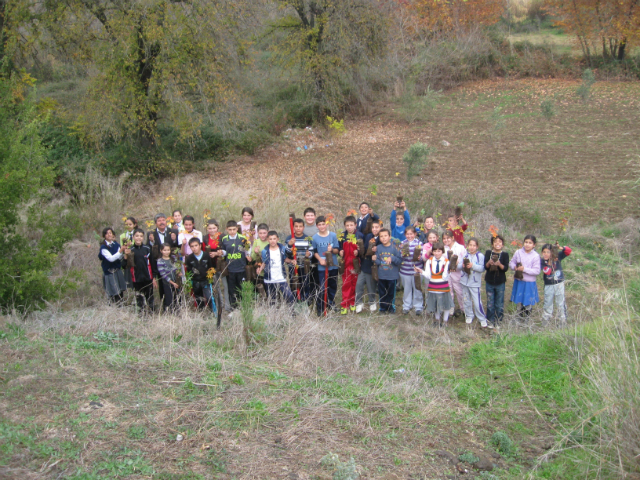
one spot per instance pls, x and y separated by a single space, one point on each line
148 61
33 236
328 45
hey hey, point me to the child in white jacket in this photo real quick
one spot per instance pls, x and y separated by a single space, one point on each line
472 268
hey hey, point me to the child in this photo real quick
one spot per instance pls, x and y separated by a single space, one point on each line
177 221
130 224
439 300
161 234
212 242
398 224
273 258
187 234
371 242
309 230
388 259
139 261
471 280
366 217
198 265
310 227
169 274
110 255
349 252
126 240
450 245
525 291
458 230
325 245
496 264
423 230
237 251
427 248
412 297
260 243
304 251
247 227
554 280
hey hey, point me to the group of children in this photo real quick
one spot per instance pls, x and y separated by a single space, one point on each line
431 271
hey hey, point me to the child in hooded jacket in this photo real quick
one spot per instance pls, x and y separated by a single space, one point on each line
471 280
553 277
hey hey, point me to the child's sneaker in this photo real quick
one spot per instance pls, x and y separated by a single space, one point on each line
483 324
359 308
343 311
418 313
352 308
469 320
373 307
405 312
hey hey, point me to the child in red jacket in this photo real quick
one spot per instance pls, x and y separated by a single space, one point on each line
349 251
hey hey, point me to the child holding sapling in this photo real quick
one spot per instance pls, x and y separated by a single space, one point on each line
552 256
436 271
366 277
169 274
471 280
411 250
526 264
304 252
496 263
199 267
237 252
363 225
139 262
187 234
351 245
273 261
111 255
431 239
423 230
259 244
399 222
453 224
455 253
126 240
325 245
388 260
212 245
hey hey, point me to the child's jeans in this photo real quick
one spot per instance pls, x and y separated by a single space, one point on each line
411 297
170 301
387 293
372 288
331 286
279 288
456 286
473 305
234 280
554 293
495 302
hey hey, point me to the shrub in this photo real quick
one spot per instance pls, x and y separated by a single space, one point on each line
33 236
416 159
547 108
502 443
584 90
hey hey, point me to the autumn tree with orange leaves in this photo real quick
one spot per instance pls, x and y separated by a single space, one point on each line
443 16
603 27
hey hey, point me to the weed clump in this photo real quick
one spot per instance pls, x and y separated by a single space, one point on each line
502 443
468 457
547 108
416 158
584 90
342 470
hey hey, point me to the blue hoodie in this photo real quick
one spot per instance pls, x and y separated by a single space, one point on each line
285 252
397 231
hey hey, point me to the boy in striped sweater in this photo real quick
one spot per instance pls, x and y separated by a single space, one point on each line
411 249
436 271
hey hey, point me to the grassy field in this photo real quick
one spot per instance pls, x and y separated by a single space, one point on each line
94 392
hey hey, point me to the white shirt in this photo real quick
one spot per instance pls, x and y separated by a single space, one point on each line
275 267
184 237
458 250
107 254
161 236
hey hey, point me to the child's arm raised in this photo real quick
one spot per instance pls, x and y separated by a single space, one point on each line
407 217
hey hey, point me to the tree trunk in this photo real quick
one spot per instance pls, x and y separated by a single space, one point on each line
621 48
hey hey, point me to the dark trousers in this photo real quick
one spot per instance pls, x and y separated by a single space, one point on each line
144 294
279 289
387 294
305 282
331 286
234 280
202 293
170 298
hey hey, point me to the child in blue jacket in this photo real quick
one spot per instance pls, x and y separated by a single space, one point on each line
399 224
